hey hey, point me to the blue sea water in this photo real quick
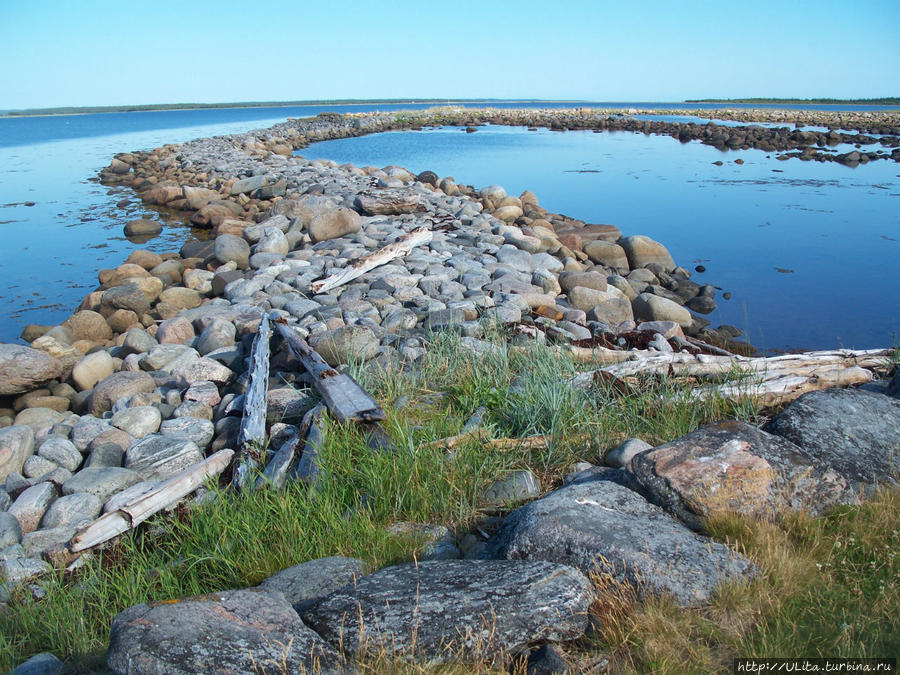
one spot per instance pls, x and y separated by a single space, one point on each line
835 228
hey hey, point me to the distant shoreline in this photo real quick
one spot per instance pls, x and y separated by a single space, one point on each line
889 100
156 107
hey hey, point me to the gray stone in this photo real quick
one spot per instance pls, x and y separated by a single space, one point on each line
138 421
194 409
41 420
447 610
40 664
119 385
203 392
272 241
17 571
162 355
130 494
31 505
86 429
24 369
142 228
16 445
856 433
36 466
649 307
732 467
231 248
303 583
40 541
512 489
10 530
642 251
128 296
346 343
199 431
334 223
220 333
204 369
622 454
608 254
246 185
598 525
287 404
611 312
174 331
102 481
438 541
62 452
72 510
157 457
232 631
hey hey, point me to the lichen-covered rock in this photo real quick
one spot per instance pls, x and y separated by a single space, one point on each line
855 432
735 467
241 631
303 583
598 525
444 610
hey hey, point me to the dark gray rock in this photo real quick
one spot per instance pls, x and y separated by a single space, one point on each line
732 467
622 454
893 388
857 433
241 631
72 510
200 431
445 610
303 583
599 525
40 664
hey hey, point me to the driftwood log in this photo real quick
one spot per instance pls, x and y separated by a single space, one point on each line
165 494
382 256
346 400
252 435
769 381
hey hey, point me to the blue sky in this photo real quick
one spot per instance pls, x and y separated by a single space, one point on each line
115 53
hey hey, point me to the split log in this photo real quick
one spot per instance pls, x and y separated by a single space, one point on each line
346 400
767 380
382 256
308 470
165 494
278 468
252 435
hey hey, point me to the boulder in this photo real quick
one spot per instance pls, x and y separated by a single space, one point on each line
855 432
591 280
138 421
649 307
611 256
142 227
242 631
72 510
175 331
272 241
248 185
444 610
128 296
101 481
16 445
642 250
25 369
181 298
88 325
734 467
91 369
231 248
598 525
119 385
345 343
303 583
220 333
334 223
156 457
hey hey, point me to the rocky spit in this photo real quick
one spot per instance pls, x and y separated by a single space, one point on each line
146 378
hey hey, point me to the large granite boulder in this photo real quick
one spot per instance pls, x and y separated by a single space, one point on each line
304 583
599 525
642 251
855 432
445 610
243 631
24 369
735 467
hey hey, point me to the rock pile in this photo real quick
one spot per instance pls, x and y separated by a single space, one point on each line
147 377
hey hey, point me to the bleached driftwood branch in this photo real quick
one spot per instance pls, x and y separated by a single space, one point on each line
252 435
165 494
382 256
767 380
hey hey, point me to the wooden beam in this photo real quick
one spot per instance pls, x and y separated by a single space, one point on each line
252 434
346 400
165 494
309 470
382 256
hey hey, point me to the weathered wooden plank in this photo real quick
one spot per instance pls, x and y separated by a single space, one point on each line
346 400
167 493
284 461
252 434
382 256
309 470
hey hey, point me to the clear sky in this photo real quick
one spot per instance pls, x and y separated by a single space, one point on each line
97 52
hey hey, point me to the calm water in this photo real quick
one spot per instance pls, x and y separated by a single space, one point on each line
835 227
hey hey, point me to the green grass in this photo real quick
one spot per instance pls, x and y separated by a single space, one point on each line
237 540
